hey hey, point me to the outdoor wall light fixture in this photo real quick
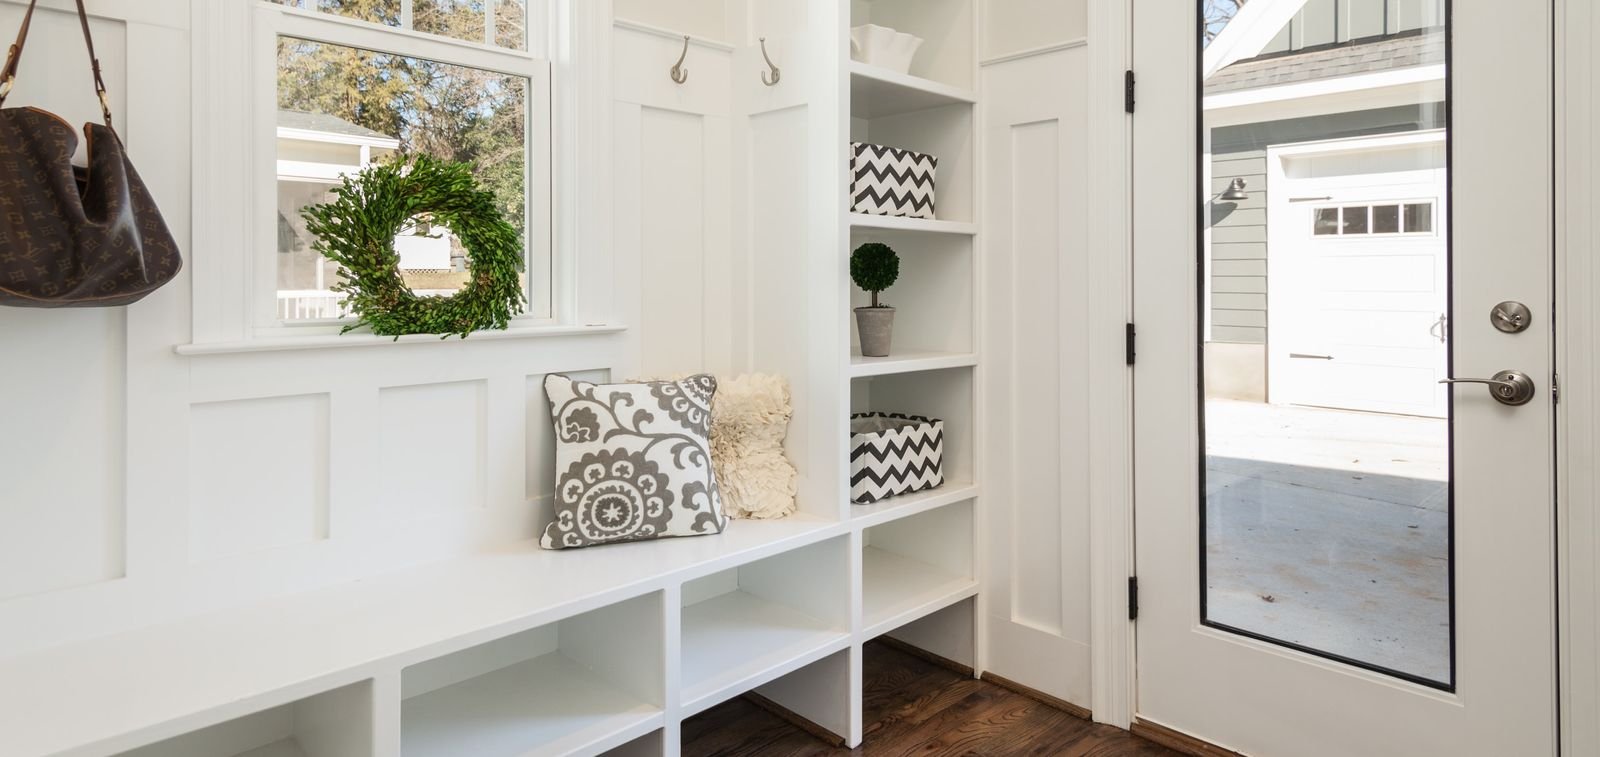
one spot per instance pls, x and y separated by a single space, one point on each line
1235 191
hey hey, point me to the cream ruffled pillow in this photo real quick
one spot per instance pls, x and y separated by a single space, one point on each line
749 420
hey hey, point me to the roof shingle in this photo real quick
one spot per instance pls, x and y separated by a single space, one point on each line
1362 56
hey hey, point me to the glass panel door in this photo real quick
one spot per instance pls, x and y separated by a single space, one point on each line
1337 554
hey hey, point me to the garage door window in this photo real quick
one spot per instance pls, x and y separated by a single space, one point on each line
1392 218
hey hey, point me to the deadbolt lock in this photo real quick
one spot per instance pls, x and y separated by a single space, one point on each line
1511 317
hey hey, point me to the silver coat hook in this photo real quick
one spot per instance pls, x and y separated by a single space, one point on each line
680 74
776 72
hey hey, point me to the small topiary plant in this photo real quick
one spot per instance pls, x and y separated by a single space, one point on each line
874 267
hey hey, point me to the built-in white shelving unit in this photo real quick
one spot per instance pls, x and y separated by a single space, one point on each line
918 576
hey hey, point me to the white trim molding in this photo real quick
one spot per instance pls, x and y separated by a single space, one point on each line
1402 86
1247 33
1035 51
1111 508
1578 412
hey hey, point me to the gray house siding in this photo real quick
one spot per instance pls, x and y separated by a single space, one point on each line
1239 250
1239 274
1323 22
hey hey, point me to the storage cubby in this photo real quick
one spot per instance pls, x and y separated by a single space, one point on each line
652 744
336 723
949 633
933 301
916 565
945 132
748 625
945 394
581 685
949 45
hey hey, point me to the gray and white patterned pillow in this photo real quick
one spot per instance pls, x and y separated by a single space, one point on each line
633 461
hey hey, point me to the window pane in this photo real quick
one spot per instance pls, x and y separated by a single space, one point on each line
1419 218
461 19
1327 222
386 12
1355 219
511 24
1386 219
1324 499
342 108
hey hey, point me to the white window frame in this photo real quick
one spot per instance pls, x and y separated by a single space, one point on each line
233 267
274 21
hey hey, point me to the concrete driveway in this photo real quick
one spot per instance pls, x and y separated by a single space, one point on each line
1330 529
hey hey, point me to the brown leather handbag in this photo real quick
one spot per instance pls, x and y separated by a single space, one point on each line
71 236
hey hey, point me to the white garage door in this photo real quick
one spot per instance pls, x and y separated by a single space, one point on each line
1357 278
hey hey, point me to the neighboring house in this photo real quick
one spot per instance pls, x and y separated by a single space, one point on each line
315 151
1335 121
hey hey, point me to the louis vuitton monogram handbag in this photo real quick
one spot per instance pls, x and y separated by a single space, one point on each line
71 236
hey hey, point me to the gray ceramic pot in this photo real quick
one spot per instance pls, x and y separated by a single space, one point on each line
876 326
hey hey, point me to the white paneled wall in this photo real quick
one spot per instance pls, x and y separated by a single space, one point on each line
1016 26
141 486
672 211
260 475
61 526
1036 578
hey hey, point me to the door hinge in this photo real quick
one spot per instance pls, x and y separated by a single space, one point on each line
1127 90
1132 336
1555 388
1133 597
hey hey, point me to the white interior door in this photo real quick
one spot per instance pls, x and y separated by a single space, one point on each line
1356 578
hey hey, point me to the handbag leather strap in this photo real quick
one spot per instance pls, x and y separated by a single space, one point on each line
8 75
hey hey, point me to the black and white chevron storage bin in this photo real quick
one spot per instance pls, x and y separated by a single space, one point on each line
894 454
888 181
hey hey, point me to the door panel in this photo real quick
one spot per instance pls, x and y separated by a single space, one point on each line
1358 578
1038 485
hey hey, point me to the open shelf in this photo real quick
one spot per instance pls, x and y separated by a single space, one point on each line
585 684
945 394
876 91
908 362
906 505
915 566
652 744
897 590
548 705
902 223
934 300
746 626
330 724
285 748
948 54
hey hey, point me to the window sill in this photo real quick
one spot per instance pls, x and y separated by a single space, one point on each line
335 341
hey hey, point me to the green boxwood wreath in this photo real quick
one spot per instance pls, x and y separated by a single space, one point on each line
357 230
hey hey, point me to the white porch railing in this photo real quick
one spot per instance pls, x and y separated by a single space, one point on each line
310 304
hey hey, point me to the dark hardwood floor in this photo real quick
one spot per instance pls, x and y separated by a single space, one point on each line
912 706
